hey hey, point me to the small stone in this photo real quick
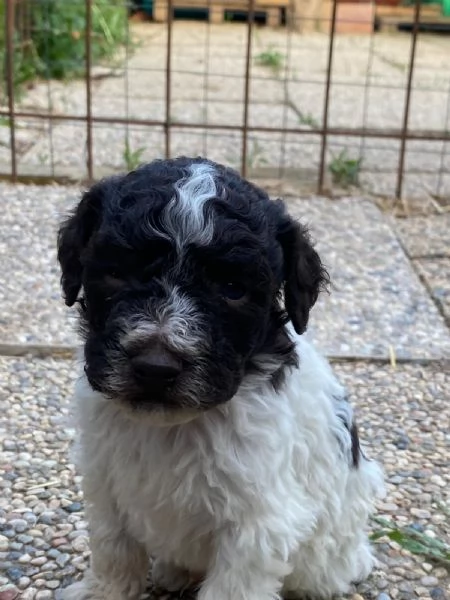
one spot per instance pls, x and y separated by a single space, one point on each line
53 584
382 584
24 558
43 595
402 442
28 594
383 596
420 513
47 517
25 539
437 593
74 507
80 544
4 543
440 572
429 581
24 582
14 573
62 560
19 525
39 561
8 592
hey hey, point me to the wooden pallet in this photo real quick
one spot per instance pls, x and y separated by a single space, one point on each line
389 19
217 9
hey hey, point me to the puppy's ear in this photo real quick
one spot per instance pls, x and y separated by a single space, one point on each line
304 275
73 236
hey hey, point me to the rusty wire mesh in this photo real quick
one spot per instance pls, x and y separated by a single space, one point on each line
271 102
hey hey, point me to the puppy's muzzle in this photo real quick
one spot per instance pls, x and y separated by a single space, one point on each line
155 367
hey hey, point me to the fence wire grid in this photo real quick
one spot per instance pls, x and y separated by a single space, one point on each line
308 104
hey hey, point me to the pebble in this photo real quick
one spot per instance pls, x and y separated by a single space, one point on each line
74 507
53 584
440 572
24 582
4 543
9 593
429 581
19 525
62 560
80 543
420 513
28 594
14 573
383 596
24 558
437 593
43 595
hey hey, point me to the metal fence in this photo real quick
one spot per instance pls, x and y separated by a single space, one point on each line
276 143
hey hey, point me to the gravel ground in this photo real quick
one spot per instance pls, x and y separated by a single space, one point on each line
368 89
43 535
377 301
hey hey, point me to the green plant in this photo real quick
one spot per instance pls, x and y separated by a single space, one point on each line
412 540
345 170
270 58
54 43
308 119
132 158
255 155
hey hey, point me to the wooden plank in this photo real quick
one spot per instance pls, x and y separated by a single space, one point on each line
272 8
391 24
406 11
351 17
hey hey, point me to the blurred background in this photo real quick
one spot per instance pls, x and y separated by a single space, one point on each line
312 94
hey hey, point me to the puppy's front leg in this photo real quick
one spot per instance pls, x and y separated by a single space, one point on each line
245 568
119 564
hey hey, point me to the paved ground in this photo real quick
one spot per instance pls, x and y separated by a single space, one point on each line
388 302
369 77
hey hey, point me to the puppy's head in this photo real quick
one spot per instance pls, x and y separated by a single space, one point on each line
180 268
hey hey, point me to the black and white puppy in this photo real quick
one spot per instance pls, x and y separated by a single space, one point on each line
212 436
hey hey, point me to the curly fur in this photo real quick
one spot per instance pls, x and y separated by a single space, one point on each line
247 476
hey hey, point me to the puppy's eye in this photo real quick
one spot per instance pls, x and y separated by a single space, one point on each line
232 291
114 279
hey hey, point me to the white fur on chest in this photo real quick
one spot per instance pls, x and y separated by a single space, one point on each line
279 459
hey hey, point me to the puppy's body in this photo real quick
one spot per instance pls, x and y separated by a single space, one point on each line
260 489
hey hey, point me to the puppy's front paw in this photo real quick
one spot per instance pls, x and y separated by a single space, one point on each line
79 591
91 588
171 578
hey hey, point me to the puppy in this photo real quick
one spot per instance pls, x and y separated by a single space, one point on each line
212 436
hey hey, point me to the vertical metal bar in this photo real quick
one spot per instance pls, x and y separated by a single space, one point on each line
168 77
9 26
88 51
282 162
248 59
401 164
323 150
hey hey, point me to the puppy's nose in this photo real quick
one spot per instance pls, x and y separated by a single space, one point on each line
156 365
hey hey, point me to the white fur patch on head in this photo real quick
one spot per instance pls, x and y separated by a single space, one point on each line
184 217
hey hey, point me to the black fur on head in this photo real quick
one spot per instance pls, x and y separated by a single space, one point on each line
182 266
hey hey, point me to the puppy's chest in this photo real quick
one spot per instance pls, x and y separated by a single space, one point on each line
170 492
